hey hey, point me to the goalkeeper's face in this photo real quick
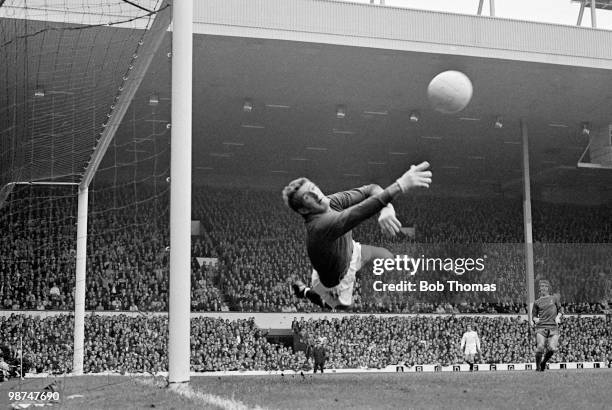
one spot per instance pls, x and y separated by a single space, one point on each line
544 289
313 200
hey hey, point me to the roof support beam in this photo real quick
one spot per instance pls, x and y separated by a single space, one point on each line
529 270
542 175
580 14
491 7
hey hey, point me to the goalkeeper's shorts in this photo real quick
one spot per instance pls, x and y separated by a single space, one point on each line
340 295
548 331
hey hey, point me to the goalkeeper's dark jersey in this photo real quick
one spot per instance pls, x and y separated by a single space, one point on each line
546 308
330 242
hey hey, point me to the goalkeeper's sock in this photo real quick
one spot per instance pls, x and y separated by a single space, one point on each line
547 356
299 289
314 297
538 357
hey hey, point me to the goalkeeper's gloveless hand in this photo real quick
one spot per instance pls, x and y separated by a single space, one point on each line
416 176
388 222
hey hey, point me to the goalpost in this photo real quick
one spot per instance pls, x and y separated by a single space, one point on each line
48 141
127 91
180 195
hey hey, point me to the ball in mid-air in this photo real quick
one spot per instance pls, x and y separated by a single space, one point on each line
450 92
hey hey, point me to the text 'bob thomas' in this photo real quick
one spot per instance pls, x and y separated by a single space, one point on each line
412 265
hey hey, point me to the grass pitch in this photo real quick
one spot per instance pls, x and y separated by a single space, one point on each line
560 389
572 389
100 392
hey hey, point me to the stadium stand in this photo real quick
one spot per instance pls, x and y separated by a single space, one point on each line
376 342
260 248
128 344
137 344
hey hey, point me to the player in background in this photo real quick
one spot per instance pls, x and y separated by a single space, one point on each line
5 369
333 253
470 345
319 355
401 363
546 315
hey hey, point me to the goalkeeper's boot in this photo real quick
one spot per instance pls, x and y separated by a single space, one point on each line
299 289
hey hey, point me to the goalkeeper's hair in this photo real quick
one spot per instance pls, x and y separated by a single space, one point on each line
545 282
289 192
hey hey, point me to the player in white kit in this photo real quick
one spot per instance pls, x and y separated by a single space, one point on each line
470 345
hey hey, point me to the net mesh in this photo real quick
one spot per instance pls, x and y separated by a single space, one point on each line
64 66
71 74
128 230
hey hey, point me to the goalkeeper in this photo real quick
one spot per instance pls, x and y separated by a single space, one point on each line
334 255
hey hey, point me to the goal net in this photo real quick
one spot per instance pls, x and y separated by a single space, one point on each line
75 109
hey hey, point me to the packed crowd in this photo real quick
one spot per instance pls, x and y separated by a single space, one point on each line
259 249
127 253
265 247
375 342
138 343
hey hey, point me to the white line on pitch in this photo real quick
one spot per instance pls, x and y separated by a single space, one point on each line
203 398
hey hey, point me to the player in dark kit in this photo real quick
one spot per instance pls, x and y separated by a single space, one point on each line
546 314
319 355
334 255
